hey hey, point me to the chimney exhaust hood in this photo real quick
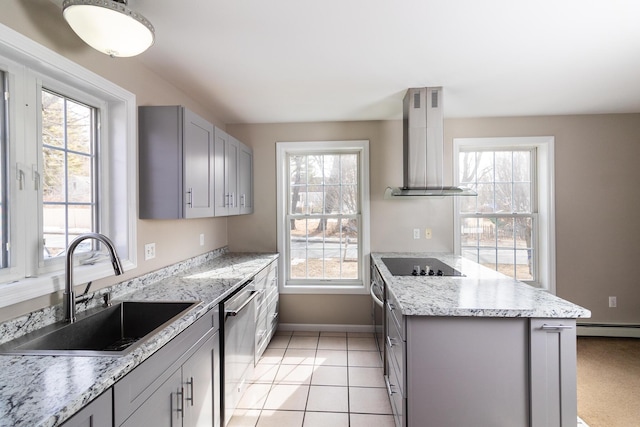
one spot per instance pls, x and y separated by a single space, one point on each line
423 146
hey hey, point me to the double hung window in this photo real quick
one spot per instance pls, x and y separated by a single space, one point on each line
323 215
67 167
509 226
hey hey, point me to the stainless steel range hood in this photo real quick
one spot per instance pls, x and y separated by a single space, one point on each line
423 145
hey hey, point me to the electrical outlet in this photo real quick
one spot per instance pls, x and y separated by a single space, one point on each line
149 251
201 239
416 233
427 233
613 302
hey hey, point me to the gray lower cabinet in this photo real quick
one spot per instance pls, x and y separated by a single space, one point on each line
553 372
499 372
179 385
267 307
176 161
96 414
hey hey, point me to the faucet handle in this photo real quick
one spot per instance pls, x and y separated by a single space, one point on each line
107 299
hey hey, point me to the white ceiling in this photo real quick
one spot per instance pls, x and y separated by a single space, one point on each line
258 61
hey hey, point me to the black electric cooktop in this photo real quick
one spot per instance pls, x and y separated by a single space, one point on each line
419 267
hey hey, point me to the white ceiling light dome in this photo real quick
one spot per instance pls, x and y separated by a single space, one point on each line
109 26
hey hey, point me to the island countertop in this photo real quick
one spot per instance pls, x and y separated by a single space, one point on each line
47 390
481 292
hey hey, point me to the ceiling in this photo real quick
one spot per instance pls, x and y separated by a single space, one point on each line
257 61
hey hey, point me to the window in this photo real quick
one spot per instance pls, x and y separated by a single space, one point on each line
507 226
69 178
323 215
67 167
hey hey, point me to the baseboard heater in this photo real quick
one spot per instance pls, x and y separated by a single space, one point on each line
608 330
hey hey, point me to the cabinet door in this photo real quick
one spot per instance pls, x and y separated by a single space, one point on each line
198 383
164 408
245 179
231 183
198 153
221 205
96 414
553 373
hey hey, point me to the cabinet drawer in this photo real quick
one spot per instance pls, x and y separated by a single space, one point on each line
395 395
396 356
394 314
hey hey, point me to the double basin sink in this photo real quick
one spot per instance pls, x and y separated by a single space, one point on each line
112 331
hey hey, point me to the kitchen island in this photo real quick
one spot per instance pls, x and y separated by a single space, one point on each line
479 349
48 390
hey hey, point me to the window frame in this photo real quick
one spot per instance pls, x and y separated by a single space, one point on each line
543 204
322 286
29 66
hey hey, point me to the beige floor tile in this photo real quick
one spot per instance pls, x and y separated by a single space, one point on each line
332 343
358 343
279 341
369 359
304 342
306 333
330 375
368 420
280 332
272 356
328 399
326 419
254 396
366 377
287 397
297 356
294 374
360 334
244 418
369 401
331 358
333 334
281 419
264 373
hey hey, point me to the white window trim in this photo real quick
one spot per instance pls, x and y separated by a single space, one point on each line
545 177
118 128
284 148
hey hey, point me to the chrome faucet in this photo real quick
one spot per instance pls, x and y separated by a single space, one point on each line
69 298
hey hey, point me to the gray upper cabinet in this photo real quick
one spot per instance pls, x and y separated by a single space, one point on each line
233 179
176 153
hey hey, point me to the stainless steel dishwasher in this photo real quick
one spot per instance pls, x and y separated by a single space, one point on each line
239 326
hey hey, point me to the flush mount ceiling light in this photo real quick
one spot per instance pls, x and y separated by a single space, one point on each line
109 26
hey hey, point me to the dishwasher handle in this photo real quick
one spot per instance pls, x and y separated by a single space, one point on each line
244 304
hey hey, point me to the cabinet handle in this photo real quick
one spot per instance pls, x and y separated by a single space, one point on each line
180 402
390 341
389 387
189 397
190 198
546 327
242 202
391 306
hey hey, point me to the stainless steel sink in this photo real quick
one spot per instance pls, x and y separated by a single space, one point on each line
111 331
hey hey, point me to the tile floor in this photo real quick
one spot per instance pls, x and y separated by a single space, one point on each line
310 379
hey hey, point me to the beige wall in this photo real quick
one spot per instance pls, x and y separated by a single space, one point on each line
597 204
41 20
597 196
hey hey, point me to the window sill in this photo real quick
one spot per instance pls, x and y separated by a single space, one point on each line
324 289
34 287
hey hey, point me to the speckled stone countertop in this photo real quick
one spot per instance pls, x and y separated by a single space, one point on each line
47 390
482 292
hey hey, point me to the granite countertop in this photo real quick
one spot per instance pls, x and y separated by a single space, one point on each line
47 390
482 292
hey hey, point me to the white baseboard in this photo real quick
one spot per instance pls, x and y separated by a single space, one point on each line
324 327
608 330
